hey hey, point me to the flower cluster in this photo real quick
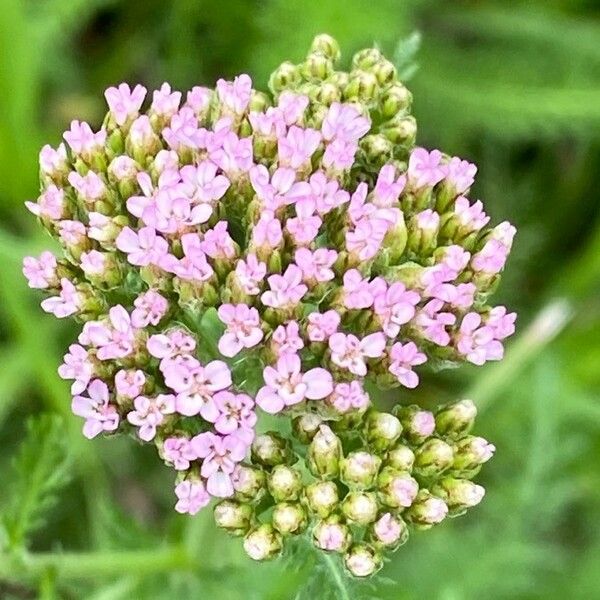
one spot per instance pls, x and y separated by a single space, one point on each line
409 468
230 251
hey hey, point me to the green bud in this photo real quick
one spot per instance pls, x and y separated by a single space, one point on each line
322 497
459 494
234 517
316 66
400 457
327 93
366 58
263 543
327 46
382 430
362 87
289 518
433 457
385 71
376 148
270 449
401 131
340 79
360 507
389 531
286 76
306 426
359 470
250 483
417 424
395 100
456 419
396 489
259 101
427 510
284 483
470 452
324 453
395 240
332 534
363 560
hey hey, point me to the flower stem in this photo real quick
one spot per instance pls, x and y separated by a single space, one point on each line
337 576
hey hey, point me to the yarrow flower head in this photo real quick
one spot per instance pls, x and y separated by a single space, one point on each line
231 253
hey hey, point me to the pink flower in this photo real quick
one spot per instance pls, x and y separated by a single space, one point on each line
316 265
78 367
72 234
269 124
272 190
286 339
403 357
357 291
217 242
339 154
93 263
51 204
325 193
53 161
460 174
243 328
428 220
348 352
114 339
433 323
425 168
191 497
220 454
122 168
123 102
143 248
235 95
235 155
285 290
349 396
388 529
364 241
476 341
67 303
250 273
196 386
193 266
236 414
183 130
321 326
150 308
297 147
129 384
395 308
291 107
491 258
149 413
177 451
95 408
40 272
171 344
198 99
285 384
203 186
471 217
83 140
460 296
501 322
304 227
165 102
344 121
388 188
267 232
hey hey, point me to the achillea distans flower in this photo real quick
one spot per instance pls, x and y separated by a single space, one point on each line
231 253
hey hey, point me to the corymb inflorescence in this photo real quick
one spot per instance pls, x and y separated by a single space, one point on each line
231 252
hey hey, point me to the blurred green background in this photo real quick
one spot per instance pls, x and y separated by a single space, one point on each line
513 86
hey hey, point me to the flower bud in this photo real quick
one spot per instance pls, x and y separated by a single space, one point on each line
289 518
285 76
427 510
306 426
382 430
456 419
417 424
324 453
402 131
362 87
327 46
322 497
470 452
459 494
389 531
362 560
270 449
360 507
249 483
263 543
384 70
395 100
433 457
396 489
259 101
332 534
400 457
366 58
316 66
233 517
359 470
284 483
377 149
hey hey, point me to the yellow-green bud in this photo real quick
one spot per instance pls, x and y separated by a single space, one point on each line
396 489
389 531
324 453
234 517
362 87
417 424
306 426
401 458
433 457
360 507
270 449
459 494
401 131
284 483
395 100
322 497
327 46
470 452
359 470
456 419
366 58
382 430
263 543
316 66
332 534
249 483
363 560
286 76
289 518
427 510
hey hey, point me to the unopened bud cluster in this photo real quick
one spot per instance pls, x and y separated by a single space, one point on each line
231 251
